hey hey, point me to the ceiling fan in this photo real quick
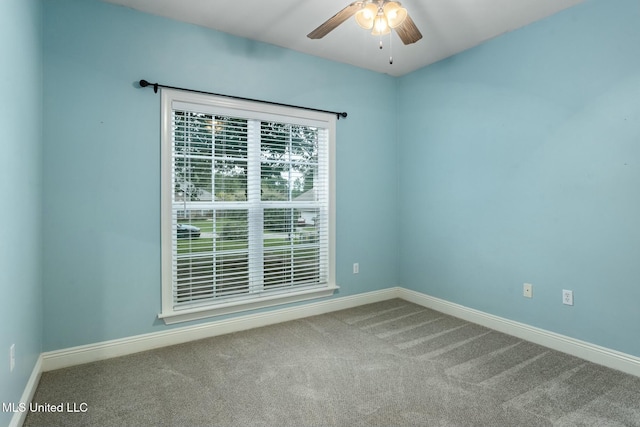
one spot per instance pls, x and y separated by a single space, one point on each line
380 16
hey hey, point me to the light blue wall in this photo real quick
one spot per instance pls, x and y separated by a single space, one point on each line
102 157
521 163
20 192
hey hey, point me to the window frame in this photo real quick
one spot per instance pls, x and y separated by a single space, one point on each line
254 110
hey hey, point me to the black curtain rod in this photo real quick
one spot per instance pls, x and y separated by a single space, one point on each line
144 83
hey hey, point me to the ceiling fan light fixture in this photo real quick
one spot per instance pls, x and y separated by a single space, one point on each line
380 16
395 13
380 26
365 17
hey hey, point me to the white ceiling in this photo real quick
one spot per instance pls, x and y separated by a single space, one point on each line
448 26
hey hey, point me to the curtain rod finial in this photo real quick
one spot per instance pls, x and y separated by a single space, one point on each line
144 83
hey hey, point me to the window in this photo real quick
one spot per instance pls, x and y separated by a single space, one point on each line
247 205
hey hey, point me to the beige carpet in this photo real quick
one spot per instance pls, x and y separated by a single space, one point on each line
386 364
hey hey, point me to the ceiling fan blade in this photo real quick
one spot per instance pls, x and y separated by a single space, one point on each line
408 31
337 19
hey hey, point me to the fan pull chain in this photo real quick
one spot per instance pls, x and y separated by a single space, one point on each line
390 48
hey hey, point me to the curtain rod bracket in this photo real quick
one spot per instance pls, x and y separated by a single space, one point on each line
145 83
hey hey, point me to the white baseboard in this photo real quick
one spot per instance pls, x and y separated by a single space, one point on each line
27 395
124 346
121 347
584 350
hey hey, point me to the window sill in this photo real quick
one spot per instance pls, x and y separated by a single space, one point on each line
189 314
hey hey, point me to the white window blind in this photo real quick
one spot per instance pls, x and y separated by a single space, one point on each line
247 205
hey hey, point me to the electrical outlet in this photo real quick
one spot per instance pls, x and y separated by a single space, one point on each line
567 297
356 268
12 357
527 290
